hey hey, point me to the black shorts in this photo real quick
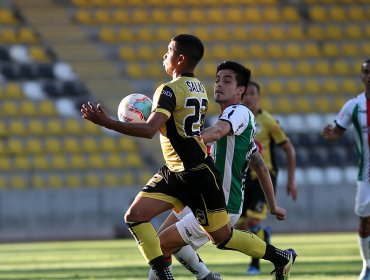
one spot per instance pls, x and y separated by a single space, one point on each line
254 198
198 187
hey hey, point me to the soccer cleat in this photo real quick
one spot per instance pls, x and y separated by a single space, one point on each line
282 272
212 276
365 274
252 270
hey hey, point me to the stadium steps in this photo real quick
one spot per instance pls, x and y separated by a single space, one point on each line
51 20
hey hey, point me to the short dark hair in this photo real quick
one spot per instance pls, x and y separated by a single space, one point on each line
243 74
191 46
255 84
367 61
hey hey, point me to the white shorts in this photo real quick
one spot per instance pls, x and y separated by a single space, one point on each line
190 230
362 201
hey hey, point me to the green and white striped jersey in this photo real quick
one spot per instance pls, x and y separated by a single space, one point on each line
356 111
231 152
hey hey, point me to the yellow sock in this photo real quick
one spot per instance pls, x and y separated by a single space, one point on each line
147 240
245 242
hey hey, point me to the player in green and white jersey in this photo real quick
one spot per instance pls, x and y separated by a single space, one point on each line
356 112
233 134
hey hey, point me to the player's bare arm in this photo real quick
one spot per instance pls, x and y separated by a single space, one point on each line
263 174
216 132
290 153
99 116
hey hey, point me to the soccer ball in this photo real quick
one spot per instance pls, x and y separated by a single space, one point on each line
135 107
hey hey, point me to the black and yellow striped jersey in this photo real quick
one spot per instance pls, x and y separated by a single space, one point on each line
184 100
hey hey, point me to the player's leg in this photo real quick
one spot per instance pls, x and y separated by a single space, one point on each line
174 240
362 209
153 200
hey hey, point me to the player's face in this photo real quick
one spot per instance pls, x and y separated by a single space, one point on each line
226 89
170 59
365 75
251 98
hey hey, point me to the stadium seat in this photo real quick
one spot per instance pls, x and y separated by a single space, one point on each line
333 175
314 176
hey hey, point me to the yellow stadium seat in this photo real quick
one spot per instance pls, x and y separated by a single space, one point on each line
83 16
322 67
26 35
21 162
13 90
71 145
316 32
330 86
19 182
36 127
92 180
258 33
312 86
120 16
334 32
15 146
126 34
59 161
72 126
108 35
295 32
103 17
322 104
275 87
127 144
356 13
160 15
276 32
318 13
144 177
111 180
40 162
350 49
267 104
219 51
274 50
128 179
350 86
135 70
55 181
17 127
331 50
108 144
354 31
28 108
239 32
54 126
215 15
271 14
253 14
221 33
234 14
284 104
294 87
338 103
342 67
53 145
304 68
5 163
96 161
303 105
34 145
285 68
90 128
337 13
145 33
127 52
256 50
290 13
9 108
164 33
38 181
78 161
115 160
89 144
145 52
139 15
37 53
365 48
7 16
46 108
8 36
133 160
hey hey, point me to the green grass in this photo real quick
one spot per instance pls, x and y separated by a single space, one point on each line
321 256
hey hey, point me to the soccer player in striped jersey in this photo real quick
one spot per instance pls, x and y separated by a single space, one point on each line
232 139
356 112
269 135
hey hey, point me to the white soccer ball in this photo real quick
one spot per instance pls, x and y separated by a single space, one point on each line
135 107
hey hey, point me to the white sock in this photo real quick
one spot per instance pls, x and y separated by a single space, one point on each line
192 262
153 276
364 244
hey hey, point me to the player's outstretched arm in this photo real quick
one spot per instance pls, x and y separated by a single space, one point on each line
263 174
216 132
289 150
99 116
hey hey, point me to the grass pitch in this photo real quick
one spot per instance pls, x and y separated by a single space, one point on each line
320 257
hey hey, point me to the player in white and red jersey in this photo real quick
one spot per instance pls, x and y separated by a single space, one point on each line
356 112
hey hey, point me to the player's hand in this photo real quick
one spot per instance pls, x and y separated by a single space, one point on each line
292 190
327 132
279 213
95 114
